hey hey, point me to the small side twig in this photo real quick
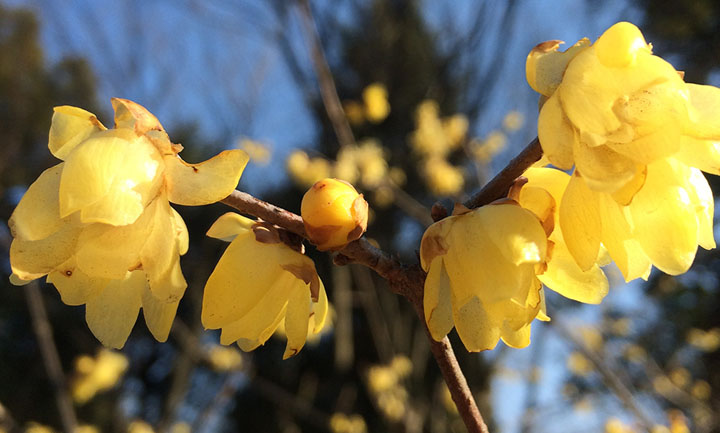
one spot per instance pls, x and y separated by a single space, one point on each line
51 359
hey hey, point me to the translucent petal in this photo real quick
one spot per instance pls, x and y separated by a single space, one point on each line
241 278
541 203
32 259
111 177
434 241
474 326
247 344
644 150
320 309
554 181
617 238
620 45
580 222
665 223
70 127
159 315
256 323
230 225
602 168
297 317
477 268
37 216
133 116
564 276
625 194
112 313
556 134
437 301
181 233
699 153
17 281
206 182
159 255
702 197
545 65
518 339
590 89
109 252
516 232
704 112
75 287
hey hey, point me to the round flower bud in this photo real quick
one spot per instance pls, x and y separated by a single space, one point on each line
334 214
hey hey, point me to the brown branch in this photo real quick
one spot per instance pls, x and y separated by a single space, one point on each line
499 185
51 359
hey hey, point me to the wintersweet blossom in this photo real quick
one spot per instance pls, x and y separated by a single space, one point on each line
100 225
334 214
612 107
482 267
259 282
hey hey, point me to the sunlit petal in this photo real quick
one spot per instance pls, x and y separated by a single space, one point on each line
206 182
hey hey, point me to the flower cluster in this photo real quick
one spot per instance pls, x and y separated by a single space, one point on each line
100 225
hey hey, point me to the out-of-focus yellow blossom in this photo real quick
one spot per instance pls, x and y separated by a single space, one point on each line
33 427
578 364
224 358
678 422
87 428
258 152
429 137
635 353
139 426
383 196
341 423
591 338
355 112
181 427
485 150
614 425
612 108
334 214
365 162
305 171
381 378
385 383
701 390
258 282
663 385
513 121
455 128
707 341
377 106
680 377
398 176
94 375
402 366
659 428
442 178
621 327
100 225
481 267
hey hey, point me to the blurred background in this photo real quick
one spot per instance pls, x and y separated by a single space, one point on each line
434 93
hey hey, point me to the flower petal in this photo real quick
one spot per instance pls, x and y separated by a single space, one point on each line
133 116
37 216
241 278
617 238
320 309
704 112
474 326
256 324
159 255
181 233
702 196
70 127
556 134
564 276
602 168
437 301
580 222
297 317
111 315
33 259
75 287
516 232
159 315
545 65
665 223
700 153
206 182
230 225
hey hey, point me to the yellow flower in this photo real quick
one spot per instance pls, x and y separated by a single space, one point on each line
259 282
612 108
661 223
377 106
100 225
442 177
481 279
93 375
334 214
